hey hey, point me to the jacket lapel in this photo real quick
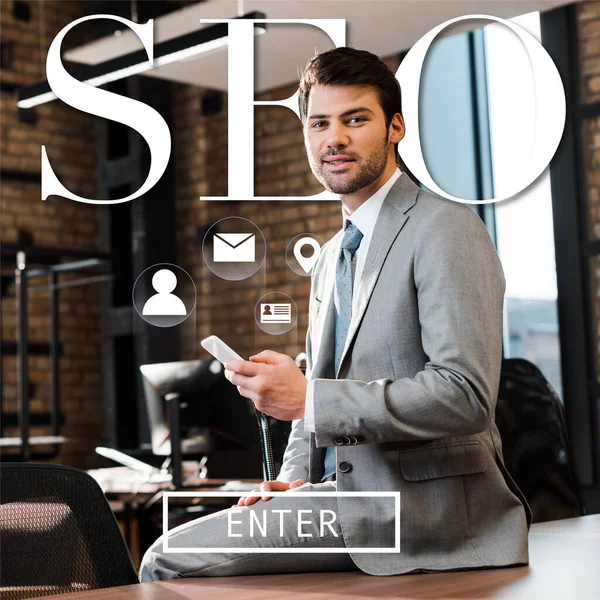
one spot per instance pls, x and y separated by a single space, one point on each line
392 218
323 340
323 344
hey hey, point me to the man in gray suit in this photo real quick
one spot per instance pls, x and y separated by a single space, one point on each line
404 351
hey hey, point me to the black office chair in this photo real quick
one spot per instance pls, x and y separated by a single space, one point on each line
58 533
537 454
274 436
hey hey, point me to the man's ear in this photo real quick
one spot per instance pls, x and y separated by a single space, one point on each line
396 128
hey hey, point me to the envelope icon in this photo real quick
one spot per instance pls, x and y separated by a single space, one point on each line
234 247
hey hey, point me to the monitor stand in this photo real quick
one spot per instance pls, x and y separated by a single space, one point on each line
174 410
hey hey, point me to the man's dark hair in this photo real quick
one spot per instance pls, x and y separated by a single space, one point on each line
349 66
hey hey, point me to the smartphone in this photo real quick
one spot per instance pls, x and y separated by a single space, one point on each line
219 349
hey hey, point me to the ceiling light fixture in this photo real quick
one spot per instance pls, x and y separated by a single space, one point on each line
180 48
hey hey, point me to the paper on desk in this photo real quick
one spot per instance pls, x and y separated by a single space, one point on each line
238 486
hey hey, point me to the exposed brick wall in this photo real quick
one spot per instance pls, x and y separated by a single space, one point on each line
588 19
57 223
591 147
200 158
588 28
226 308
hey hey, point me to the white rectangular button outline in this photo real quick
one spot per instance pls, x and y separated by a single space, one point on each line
296 550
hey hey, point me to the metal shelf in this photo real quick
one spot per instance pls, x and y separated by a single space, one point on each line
39 440
23 274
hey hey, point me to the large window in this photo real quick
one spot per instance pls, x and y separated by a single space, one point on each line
476 120
524 226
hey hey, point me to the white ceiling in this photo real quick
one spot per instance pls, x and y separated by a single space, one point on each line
384 27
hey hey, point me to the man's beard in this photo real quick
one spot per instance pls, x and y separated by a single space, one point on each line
367 174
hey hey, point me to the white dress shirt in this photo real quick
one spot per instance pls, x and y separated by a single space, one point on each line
364 217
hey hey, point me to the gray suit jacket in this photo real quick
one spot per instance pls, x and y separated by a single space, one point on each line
414 408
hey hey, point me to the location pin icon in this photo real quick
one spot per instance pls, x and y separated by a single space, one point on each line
307 262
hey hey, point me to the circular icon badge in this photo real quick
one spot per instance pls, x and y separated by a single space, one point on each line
303 252
234 248
276 313
164 295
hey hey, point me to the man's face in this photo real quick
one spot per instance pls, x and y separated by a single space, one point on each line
346 138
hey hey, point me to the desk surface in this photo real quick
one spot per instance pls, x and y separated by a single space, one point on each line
564 563
122 481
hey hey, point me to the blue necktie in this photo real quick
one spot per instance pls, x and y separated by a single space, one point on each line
343 290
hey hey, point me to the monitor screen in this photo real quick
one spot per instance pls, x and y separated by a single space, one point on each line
213 415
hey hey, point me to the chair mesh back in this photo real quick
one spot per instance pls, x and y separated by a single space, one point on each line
536 450
57 533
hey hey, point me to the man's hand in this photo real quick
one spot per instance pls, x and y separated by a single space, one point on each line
272 381
268 486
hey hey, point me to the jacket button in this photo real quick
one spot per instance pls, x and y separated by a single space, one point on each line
360 438
338 441
353 440
345 467
346 440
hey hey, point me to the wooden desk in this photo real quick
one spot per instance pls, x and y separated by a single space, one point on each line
119 483
129 498
564 564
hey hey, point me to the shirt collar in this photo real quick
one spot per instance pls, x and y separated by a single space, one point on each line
365 216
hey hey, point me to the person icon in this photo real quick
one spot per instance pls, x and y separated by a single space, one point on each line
164 303
267 310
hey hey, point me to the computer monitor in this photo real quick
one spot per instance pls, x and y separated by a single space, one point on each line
213 415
